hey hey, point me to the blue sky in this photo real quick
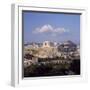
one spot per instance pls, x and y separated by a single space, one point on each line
58 27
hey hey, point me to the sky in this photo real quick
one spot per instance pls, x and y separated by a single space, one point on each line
55 27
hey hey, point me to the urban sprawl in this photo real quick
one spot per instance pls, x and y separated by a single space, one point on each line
58 57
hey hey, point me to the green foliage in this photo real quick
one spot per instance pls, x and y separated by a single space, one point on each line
41 69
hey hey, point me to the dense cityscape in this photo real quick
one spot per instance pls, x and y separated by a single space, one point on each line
51 59
51 44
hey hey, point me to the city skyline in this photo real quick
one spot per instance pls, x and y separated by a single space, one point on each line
55 27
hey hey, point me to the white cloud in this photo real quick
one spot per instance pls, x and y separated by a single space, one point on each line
43 29
49 28
60 30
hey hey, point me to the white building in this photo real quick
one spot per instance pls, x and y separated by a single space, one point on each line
48 44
